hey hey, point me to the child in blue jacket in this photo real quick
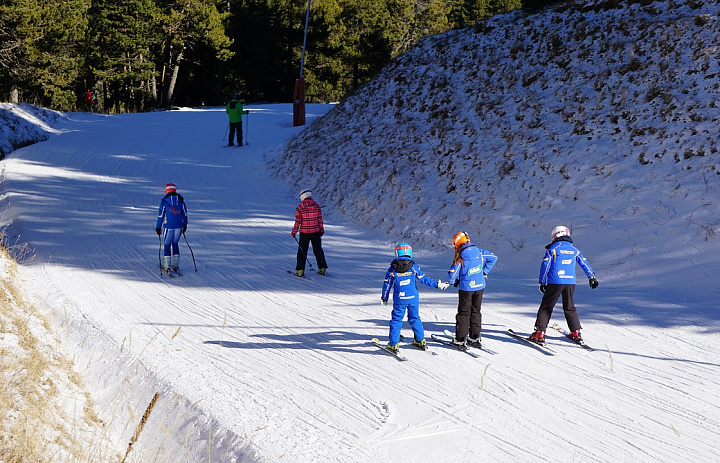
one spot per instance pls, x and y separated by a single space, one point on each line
468 271
171 223
557 278
401 276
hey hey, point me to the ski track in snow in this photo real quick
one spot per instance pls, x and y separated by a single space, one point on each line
287 364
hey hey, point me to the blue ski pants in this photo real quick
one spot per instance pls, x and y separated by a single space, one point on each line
171 240
413 316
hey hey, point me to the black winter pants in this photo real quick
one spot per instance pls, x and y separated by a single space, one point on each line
552 294
305 240
468 319
236 126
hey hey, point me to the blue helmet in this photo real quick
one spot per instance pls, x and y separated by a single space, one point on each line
403 250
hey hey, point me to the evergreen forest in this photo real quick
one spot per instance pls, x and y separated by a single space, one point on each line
136 55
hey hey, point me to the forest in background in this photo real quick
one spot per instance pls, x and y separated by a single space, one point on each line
137 55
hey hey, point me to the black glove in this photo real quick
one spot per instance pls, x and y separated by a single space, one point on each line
542 288
457 283
158 231
593 282
485 275
184 229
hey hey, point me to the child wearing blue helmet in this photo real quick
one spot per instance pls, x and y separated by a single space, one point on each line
401 278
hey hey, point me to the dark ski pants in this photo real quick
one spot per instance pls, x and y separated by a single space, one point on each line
468 319
236 126
304 241
552 294
413 316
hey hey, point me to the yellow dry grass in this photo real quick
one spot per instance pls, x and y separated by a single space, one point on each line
45 412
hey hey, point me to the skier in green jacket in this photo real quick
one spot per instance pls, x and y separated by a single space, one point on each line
235 111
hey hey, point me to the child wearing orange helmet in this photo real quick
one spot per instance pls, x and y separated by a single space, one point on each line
468 272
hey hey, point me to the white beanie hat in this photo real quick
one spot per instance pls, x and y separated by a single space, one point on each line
305 194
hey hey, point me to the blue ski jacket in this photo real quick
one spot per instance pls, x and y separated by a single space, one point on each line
471 273
558 265
401 276
172 212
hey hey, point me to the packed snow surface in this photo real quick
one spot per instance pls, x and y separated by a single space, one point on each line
282 368
607 125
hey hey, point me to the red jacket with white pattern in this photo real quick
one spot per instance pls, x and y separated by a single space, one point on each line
308 217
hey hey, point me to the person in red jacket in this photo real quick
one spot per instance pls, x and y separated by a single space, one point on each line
309 222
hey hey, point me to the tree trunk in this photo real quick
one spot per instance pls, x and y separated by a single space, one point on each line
14 95
173 79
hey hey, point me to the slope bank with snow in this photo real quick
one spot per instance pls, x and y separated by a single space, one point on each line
604 119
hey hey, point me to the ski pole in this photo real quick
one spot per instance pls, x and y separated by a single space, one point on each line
191 253
247 123
227 127
304 253
159 251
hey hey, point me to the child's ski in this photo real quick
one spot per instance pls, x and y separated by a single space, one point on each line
562 331
542 348
436 338
423 347
377 342
292 272
167 272
449 335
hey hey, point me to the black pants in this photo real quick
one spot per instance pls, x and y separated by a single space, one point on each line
305 240
468 319
233 127
552 294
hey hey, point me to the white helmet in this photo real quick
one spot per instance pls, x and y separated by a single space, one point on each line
560 230
305 194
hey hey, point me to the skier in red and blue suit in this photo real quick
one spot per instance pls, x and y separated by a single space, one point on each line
171 223
401 278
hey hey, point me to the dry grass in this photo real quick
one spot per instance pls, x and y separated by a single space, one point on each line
45 412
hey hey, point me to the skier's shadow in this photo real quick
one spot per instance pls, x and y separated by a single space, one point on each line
330 341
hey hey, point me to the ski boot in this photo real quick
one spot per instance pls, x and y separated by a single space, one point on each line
420 344
475 342
394 347
575 336
459 344
538 337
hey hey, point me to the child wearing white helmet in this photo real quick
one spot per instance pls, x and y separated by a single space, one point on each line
309 223
557 278
401 276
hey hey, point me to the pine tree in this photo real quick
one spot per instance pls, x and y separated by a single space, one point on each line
40 49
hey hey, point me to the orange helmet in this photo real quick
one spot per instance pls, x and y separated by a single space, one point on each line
170 188
460 238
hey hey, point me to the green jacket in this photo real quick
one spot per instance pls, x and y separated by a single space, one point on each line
235 111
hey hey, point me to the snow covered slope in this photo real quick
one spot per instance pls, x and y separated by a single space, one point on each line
252 364
599 118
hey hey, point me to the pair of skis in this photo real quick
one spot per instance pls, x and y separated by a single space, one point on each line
171 272
544 348
447 338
